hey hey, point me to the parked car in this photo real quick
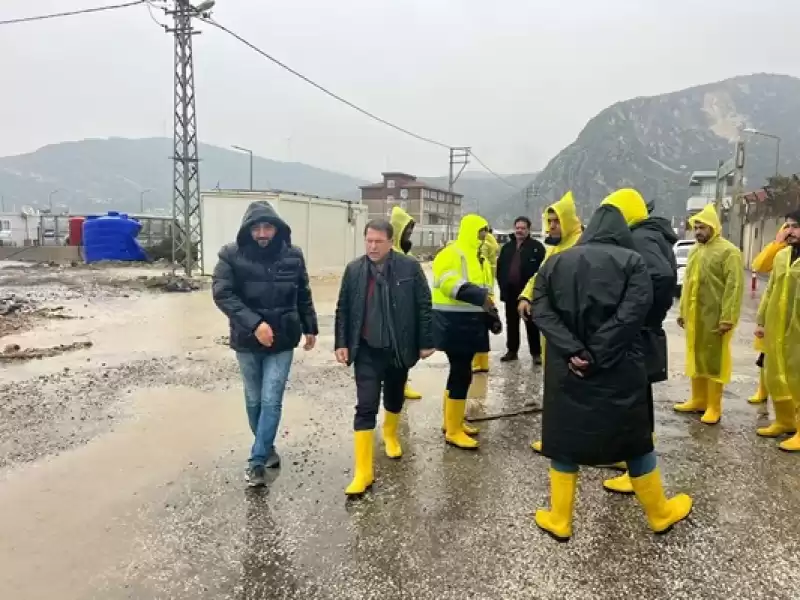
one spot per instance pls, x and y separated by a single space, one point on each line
681 249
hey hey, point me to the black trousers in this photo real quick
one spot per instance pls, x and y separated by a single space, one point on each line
512 329
374 372
460 376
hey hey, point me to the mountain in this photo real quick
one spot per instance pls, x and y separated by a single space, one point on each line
102 174
654 143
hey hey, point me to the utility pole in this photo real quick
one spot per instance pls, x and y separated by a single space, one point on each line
530 193
459 157
141 200
250 152
186 224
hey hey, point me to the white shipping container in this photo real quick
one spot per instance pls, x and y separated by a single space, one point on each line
330 232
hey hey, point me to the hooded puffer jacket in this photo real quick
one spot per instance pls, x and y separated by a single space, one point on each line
254 285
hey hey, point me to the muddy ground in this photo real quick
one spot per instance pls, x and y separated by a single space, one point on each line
121 467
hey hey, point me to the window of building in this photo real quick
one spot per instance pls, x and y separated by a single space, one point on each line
390 184
403 204
5 225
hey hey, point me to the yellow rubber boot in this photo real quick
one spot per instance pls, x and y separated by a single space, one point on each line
793 443
699 400
363 476
537 446
784 420
390 440
557 522
761 394
454 418
619 485
468 429
714 407
411 394
662 513
480 363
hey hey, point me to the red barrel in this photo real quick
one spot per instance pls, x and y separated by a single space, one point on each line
76 231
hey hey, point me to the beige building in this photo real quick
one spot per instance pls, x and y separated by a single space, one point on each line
427 204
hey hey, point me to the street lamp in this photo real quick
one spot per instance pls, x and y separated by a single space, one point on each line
141 200
250 152
777 145
50 198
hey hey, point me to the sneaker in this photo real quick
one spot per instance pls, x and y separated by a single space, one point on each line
255 476
509 356
274 461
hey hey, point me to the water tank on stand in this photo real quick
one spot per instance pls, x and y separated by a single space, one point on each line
112 237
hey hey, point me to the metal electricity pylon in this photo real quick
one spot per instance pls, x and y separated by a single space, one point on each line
187 218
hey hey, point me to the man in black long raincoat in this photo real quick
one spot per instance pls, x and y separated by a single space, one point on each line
591 302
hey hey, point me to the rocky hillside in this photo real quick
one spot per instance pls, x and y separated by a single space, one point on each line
654 143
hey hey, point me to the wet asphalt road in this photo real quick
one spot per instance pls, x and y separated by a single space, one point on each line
148 501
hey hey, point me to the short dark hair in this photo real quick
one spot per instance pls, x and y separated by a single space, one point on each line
525 220
380 225
794 215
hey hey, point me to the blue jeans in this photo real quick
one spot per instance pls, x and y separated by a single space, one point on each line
641 465
264 377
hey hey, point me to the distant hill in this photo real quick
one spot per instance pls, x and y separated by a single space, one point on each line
103 174
654 143
96 174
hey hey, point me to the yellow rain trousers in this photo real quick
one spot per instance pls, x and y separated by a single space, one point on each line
779 314
712 294
400 219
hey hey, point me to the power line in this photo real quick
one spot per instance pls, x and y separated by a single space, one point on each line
323 89
72 13
491 172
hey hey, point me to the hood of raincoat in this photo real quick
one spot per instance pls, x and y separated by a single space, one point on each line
400 220
708 216
263 212
468 231
630 203
568 216
607 226
659 225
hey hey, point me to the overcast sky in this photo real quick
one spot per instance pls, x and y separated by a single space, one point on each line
514 79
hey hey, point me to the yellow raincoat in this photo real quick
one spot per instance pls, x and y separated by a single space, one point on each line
489 251
763 264
399 220
779 314
712 294
570 234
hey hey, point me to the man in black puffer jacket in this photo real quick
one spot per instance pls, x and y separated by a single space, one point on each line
261 284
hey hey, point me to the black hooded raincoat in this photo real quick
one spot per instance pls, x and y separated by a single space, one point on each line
252 285
592 301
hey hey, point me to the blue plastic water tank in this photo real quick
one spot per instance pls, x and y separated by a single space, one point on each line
112 237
